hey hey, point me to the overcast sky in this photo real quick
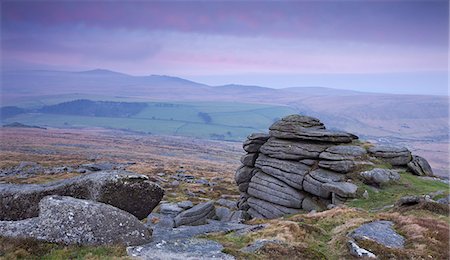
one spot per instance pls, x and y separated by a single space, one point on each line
388 46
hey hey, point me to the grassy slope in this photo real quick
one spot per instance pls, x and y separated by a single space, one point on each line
230 121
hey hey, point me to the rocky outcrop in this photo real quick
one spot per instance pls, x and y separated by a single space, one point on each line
301 165
419 166
398 156
128 191
73 221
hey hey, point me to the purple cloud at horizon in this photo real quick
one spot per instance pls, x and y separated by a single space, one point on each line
195 39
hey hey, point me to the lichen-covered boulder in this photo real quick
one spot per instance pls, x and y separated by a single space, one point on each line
73 221
420 166
379 176
131 192
397 156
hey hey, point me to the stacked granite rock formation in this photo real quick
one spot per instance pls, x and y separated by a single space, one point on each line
302 165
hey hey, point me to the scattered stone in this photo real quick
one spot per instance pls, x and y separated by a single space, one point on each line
69 221
408 201
160 220
357 251
380 232
380 177
196 215
187 204
170 209
227 203
258 244
222 213
175 183
128 191
186 249
396 156
366 194
420 166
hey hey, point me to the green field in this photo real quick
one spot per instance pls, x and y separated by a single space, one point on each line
229 121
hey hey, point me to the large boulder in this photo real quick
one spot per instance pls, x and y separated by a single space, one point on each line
73 221
197 215
397 156
380 232
131 192
380 176
420 166
254 142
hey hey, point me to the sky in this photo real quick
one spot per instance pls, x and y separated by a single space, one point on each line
379 46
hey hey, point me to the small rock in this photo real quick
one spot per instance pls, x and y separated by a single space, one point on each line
357 251
380 232
196 215
222 213
227 203
380 176
170 209
185 204
366 194
175 183
160 220
258 244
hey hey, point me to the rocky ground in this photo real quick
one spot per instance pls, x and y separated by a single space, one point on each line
393 215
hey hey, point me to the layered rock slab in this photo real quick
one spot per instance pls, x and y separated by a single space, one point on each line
71 221
128 191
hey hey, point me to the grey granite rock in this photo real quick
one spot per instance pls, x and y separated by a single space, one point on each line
315 135
182 249
125 190
187 204
249 159
343 189
171 209
222 213
380 176
70 221
196 215
314 187
252 146
343 152
227 203
264 209
420 166
313 203
326 176
160 220
292 150
243 174
380 232
343 166
259 137
295 123
270 189
392 154
290 172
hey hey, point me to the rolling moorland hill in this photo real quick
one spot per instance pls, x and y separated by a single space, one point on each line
417 121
